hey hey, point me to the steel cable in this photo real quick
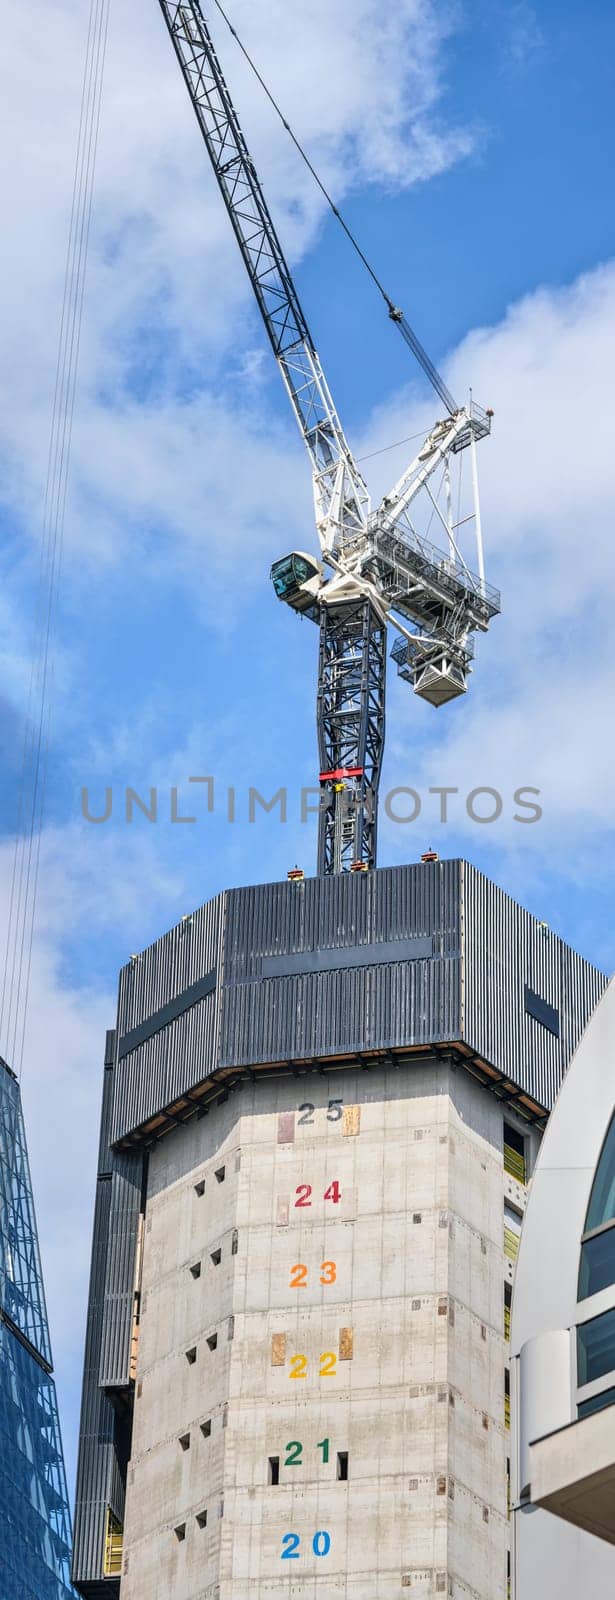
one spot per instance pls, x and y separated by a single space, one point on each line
33 781
395 314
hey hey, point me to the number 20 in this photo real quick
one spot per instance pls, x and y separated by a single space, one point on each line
291 1545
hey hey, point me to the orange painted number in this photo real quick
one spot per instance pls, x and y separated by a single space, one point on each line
328 1272
298 1276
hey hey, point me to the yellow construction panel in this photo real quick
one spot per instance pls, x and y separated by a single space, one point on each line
114 1537
346 1344
352 1120
278 1350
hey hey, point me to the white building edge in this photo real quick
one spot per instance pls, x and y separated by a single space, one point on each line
563 1340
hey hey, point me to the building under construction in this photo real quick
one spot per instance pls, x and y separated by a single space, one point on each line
322 1102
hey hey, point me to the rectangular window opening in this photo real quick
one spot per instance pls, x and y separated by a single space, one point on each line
597 1263
199 1188
206 1428
596 1348
515 1158
195 1270
598 1402
191 1355
212 1341
184 1440
180 1532
220 1174
541 1011
201 1518
342 1466
273 1476
215 1258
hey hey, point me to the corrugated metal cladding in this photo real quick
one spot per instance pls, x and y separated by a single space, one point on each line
252 1019
180 1055
505 951
348 1006
309 969
126 1186
100 1473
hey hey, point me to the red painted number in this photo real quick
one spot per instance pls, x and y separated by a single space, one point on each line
333 1192
304 1194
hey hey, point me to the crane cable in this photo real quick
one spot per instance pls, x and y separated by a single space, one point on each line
395 314
34 767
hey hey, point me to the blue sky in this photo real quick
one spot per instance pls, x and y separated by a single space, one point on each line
472 148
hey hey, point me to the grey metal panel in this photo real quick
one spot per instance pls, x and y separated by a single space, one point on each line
355 1009
506 949
100 1481
170 965
346 912
357 942
366 955
541 1010
178 1056
97 1478
168 1013
118 1305
272 946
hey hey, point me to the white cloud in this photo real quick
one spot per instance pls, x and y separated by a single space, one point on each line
168 326
538 708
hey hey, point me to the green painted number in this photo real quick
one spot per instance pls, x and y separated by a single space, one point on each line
324 1446
294 1452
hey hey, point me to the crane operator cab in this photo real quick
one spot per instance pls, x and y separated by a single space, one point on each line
298 579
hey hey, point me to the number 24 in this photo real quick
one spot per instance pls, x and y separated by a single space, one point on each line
303 1193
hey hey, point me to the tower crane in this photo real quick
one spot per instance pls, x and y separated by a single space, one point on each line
376 566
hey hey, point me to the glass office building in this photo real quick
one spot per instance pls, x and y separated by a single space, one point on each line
35 1533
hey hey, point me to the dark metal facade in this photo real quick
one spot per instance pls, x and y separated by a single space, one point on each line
104 1437
425 959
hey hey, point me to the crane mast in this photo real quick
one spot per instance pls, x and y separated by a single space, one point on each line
379 565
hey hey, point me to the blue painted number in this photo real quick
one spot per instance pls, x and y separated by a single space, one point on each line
321 1543
290 1547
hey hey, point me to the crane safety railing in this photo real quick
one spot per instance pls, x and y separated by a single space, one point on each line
405 548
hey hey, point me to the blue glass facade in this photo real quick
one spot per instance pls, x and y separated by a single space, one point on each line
35 1534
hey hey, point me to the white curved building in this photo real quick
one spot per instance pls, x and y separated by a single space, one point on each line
563 1339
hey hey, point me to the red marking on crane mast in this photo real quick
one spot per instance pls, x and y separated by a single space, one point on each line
342 772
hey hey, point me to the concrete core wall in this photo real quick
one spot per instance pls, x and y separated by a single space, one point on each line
323 1304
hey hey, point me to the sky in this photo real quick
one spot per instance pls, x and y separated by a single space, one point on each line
471 145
